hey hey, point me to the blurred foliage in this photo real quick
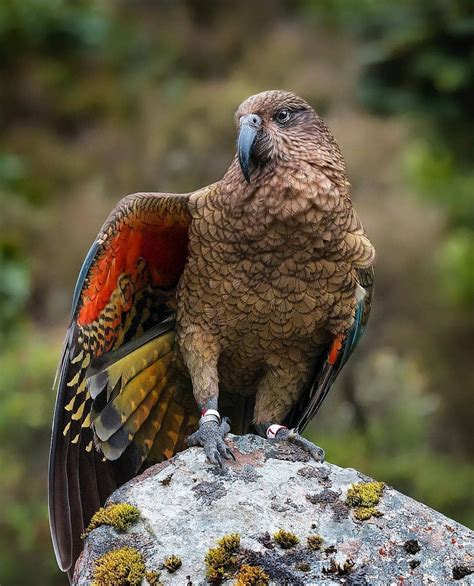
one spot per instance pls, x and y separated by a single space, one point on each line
457 264
102 98
436 174
420 63
14 290
439 177
25 423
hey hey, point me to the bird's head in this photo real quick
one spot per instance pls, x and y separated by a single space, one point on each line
276 127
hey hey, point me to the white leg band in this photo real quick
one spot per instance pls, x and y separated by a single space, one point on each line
274 429
210 415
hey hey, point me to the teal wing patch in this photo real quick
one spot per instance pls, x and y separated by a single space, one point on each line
330 363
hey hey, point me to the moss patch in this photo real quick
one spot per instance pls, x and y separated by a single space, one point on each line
172 563
119 567
364 513
153 578
314 542
230 543
363 498
285 539
252 576
120 516
365 494
221 561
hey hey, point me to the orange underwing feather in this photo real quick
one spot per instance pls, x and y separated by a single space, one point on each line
163 247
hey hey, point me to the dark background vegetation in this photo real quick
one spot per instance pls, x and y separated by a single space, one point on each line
102 98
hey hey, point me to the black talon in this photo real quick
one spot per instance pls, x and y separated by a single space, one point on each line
231 454
217 456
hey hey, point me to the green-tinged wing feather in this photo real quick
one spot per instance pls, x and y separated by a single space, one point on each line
325 370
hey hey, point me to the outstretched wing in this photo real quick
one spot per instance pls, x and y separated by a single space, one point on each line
338 353
119 400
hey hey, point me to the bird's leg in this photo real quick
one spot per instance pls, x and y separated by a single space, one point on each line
211 432
277 432
278 391
201 352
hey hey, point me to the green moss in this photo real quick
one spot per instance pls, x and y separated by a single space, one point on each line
364 513
119 567
285 539
230 543
153 578
363 497
172 563
365 494
252 576
221 561
120 516
314 542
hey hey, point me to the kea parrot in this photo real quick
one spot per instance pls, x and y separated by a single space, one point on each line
231 307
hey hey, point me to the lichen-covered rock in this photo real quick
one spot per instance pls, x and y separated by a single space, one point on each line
187 506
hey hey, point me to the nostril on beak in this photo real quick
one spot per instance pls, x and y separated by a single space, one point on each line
252 120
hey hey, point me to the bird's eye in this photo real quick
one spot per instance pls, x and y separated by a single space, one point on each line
283 116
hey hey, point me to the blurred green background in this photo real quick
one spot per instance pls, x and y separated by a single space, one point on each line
102 98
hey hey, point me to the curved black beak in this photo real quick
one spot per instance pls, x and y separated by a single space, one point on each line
250 124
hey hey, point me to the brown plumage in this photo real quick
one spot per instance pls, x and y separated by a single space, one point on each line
271 271
248 295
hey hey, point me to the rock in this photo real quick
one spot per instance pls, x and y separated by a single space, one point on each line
187 505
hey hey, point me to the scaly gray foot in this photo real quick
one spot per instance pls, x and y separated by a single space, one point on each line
295 438
210 436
